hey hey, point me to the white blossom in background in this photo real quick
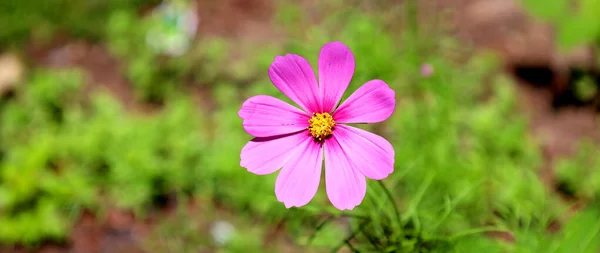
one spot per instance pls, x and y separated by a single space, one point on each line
222 232
172 28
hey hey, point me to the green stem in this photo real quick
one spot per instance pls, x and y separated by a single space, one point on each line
331 218
350 237
392 201
477 231
351 247
318 228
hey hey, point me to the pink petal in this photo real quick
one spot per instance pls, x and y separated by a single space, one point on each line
265 155
336 67
298 181
346 187
295 78
372 102
268 116
369 153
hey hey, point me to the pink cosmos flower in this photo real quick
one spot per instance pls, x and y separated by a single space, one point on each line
298 140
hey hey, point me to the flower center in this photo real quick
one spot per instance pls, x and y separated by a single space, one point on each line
321 125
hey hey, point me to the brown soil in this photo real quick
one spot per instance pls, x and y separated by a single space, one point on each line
118 231
103 70
557 131
236 18
525 44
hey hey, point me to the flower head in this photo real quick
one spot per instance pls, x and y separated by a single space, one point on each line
298 140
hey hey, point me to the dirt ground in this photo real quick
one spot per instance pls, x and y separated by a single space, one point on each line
499 25
542 72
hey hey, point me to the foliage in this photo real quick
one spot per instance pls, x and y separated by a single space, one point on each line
59 157
80 19
576 23
580 176
38 193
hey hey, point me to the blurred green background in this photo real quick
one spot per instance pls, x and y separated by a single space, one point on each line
119 129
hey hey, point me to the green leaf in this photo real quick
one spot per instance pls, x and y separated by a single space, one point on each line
546 9
575 31
582 28
581 234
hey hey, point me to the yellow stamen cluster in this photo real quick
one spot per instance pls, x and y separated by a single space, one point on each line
321 125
